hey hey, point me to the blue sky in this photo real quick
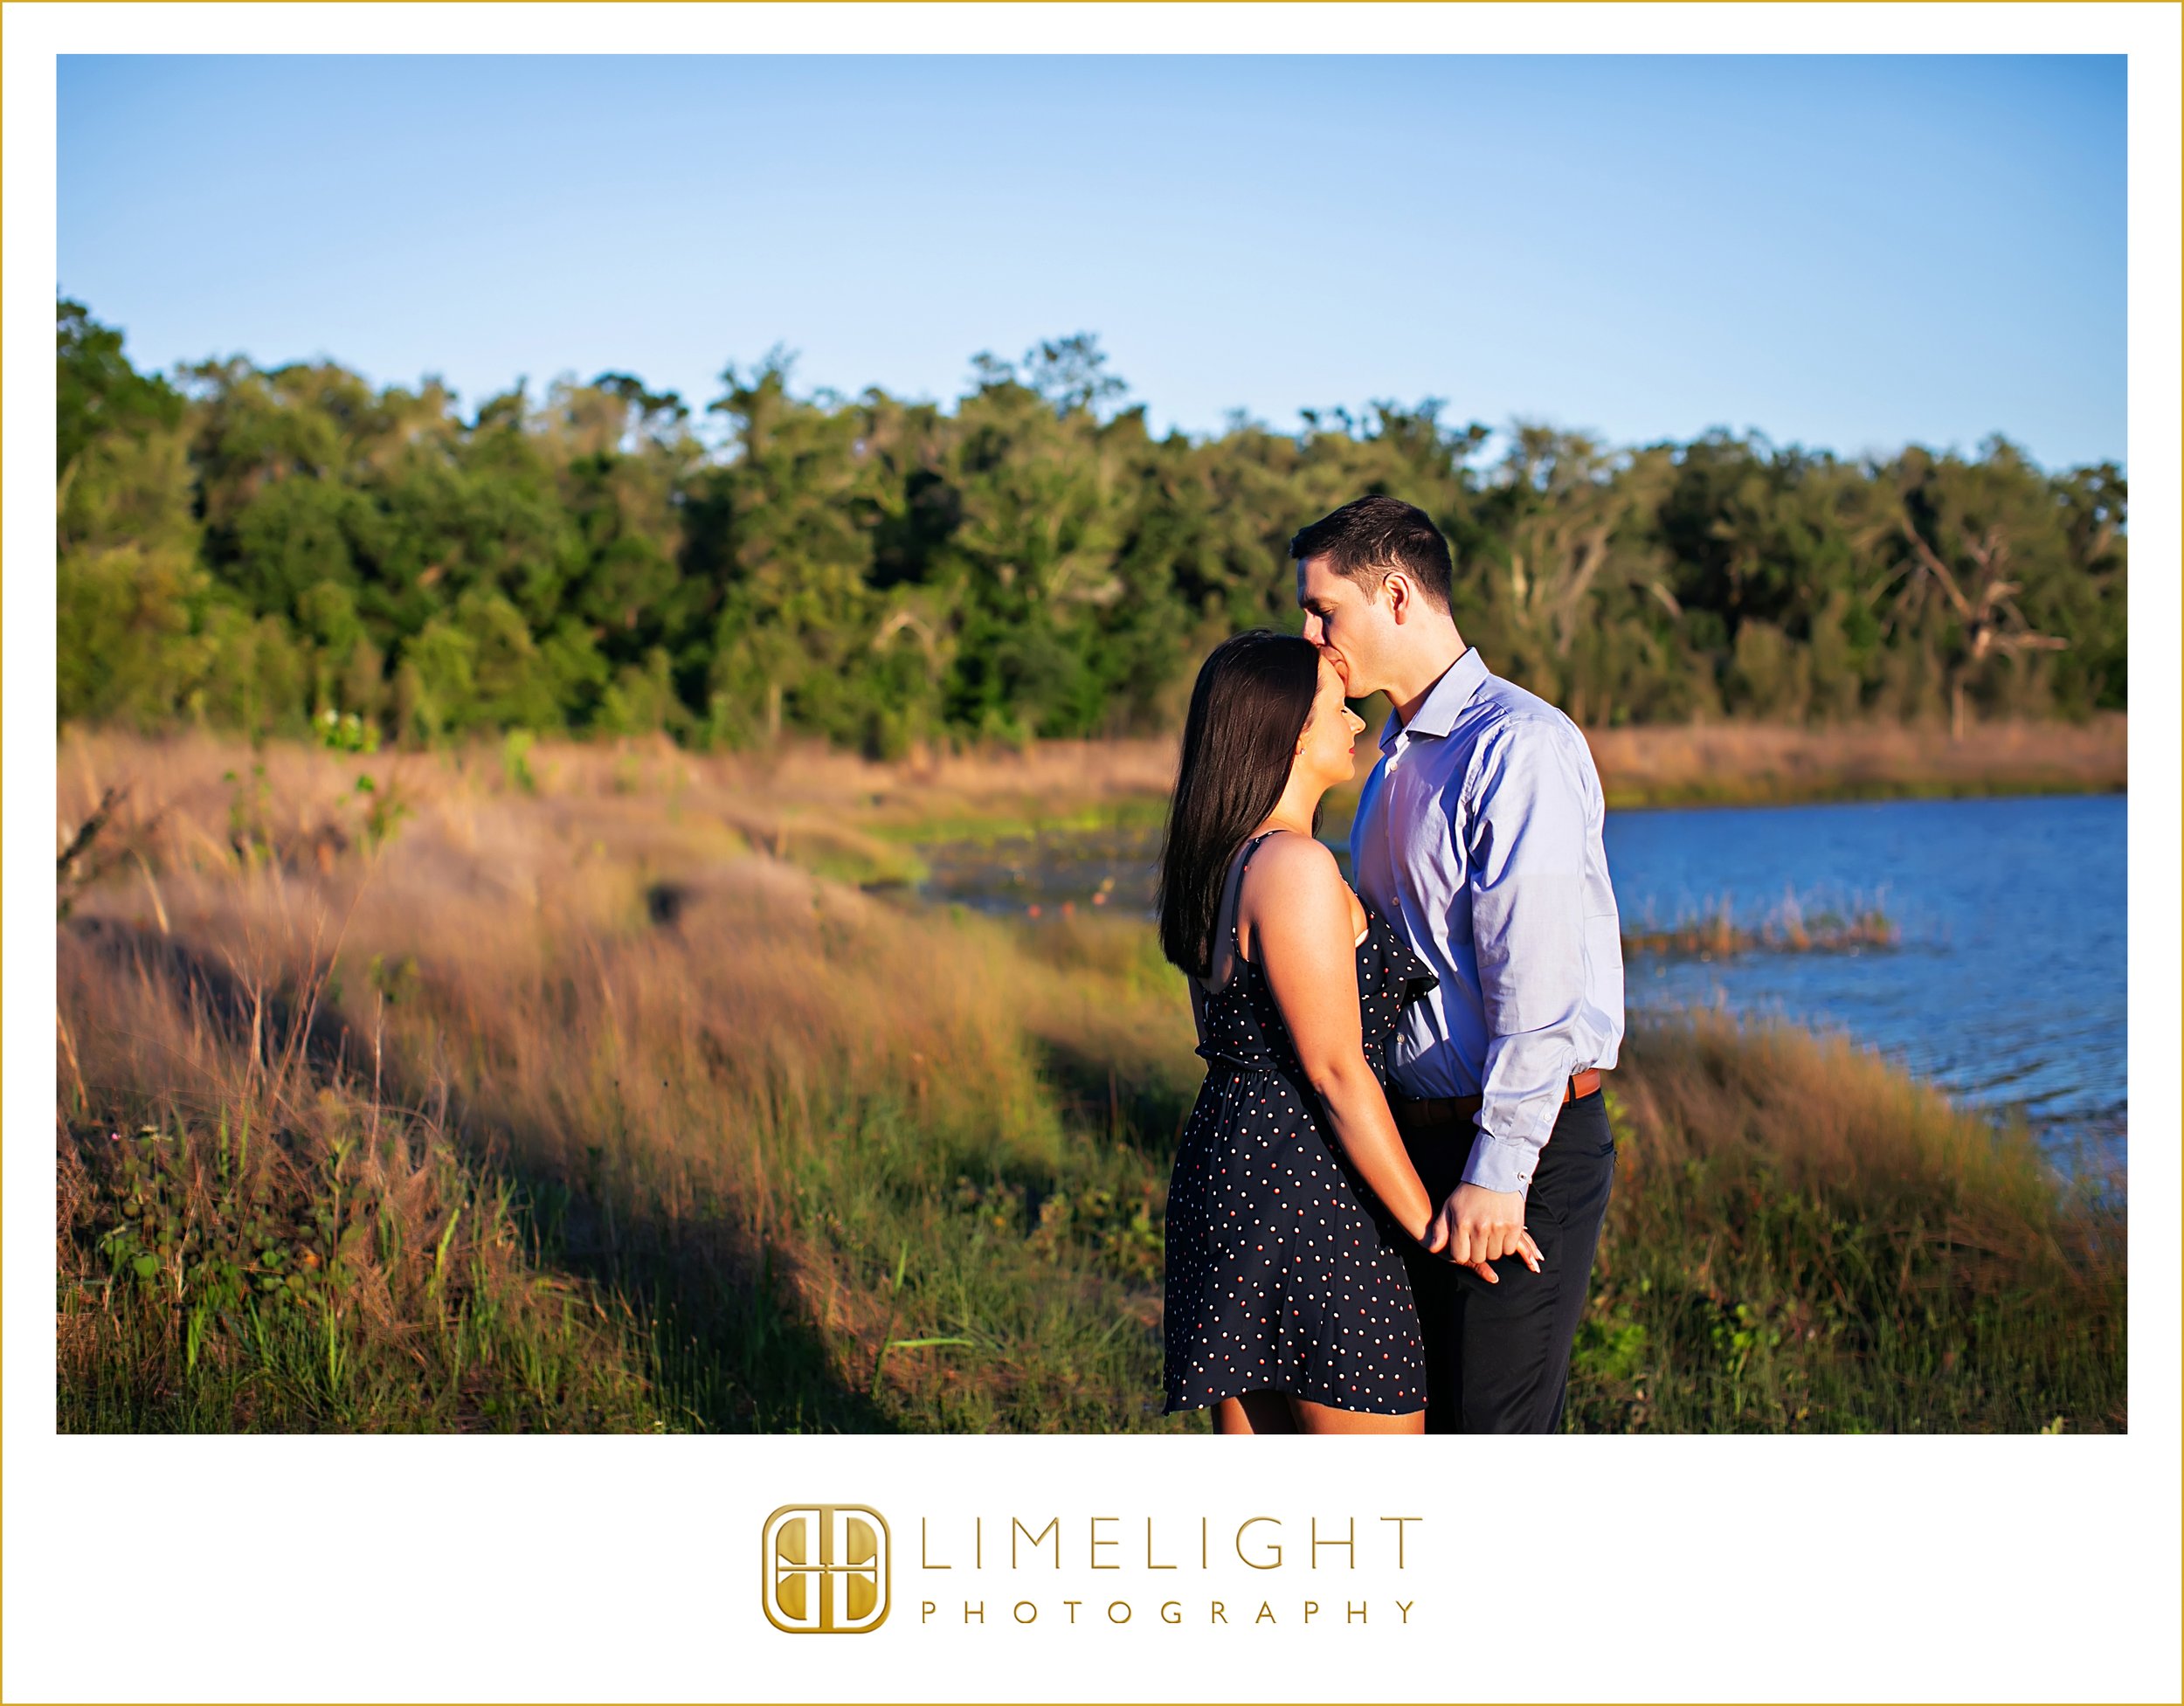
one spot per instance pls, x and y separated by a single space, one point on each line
1845 252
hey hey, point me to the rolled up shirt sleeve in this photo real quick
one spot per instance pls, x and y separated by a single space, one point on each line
1528 826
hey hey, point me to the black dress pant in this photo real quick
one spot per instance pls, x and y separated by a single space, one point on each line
1498 1357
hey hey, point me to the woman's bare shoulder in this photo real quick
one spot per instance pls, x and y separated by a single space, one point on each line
1302 878
1289 864
1302 898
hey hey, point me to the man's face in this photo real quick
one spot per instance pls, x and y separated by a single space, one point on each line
1353 631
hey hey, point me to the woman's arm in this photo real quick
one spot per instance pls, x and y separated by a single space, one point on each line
1303 940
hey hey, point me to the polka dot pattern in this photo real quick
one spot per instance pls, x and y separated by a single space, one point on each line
1284 1271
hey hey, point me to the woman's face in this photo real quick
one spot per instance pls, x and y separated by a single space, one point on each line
1327 750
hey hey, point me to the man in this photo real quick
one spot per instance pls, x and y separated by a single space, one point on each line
1478 838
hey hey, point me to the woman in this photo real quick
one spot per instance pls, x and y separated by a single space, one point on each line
1288 1306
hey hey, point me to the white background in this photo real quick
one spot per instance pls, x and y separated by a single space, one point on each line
1567 1569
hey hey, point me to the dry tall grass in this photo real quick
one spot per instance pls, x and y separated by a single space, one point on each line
741 1095
747 1147
1748 763
812 803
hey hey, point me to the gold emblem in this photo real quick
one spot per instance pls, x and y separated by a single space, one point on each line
825 1569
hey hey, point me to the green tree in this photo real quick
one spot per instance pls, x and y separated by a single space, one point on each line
256 546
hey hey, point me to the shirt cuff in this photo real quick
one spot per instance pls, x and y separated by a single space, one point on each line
1501 1164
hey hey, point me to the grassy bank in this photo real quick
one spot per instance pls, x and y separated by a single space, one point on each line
1802 1238
576 1101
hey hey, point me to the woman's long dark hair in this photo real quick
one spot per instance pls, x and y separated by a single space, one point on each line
1252 700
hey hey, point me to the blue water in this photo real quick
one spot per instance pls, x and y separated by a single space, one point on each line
2008 989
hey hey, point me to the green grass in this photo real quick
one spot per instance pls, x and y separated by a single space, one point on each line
1019 1280
1801 1239
865 859
229 1275
1015 820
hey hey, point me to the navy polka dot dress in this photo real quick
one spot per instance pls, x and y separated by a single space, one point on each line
1284 1271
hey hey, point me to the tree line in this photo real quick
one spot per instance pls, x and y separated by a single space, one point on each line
253 547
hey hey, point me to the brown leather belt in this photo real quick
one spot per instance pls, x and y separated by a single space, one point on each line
1430 1111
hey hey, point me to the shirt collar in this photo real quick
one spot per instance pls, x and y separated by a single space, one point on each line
1444 700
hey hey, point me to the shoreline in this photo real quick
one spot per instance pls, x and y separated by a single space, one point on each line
1757 764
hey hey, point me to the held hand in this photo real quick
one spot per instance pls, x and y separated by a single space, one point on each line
1476 1226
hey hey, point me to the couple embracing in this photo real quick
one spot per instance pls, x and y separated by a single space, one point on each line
1383 1211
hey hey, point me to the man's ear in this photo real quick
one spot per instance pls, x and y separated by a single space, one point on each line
1402 596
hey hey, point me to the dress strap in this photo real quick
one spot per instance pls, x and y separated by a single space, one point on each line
1236 911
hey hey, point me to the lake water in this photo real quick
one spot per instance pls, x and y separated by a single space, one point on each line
2007 988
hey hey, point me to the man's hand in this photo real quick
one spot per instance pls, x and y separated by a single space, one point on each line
1477 1227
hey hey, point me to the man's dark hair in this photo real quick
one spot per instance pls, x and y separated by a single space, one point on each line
1368 537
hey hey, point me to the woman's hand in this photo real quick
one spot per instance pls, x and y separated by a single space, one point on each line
1436 1239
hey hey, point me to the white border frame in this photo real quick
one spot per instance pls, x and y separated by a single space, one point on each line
281 1568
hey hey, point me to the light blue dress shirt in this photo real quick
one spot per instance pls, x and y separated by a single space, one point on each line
1478 839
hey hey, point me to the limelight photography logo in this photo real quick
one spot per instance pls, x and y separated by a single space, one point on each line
825 1569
